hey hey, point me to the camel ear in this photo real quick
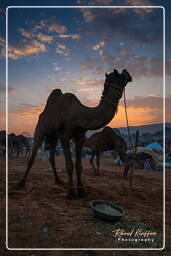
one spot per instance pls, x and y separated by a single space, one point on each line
126 76
105 74
115 71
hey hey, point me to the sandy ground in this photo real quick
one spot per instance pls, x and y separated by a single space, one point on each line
40 216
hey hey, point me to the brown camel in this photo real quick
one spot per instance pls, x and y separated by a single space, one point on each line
64 118
107 139
16 142
26 143
3 143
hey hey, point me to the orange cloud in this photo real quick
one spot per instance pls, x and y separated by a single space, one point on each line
141 111
45 38
28 49
72 36
24 118
86 89
136 116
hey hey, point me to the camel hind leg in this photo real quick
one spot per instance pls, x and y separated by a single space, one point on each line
78 164
52 161
92 163
95 170
38 139
69 166
125 160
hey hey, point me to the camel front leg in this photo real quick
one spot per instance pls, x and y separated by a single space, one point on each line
78 165
125 160
69 166
38 139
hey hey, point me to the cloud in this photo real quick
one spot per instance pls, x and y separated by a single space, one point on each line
127 24
57 28
58 68
142 110
10 89
88 81
34 47
45 38
24 117
28 34
86 89
72 36
87 14
138 66
2 41
141 11
63 50
89 63
25 109
99 45
100 2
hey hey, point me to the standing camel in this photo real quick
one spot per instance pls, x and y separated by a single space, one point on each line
3 135
107 139
26 143
64 118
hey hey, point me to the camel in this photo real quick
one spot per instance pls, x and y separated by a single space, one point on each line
18 141
3 143
107 139
26 143
64 118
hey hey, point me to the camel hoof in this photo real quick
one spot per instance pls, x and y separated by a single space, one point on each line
71 194
20 185
81 192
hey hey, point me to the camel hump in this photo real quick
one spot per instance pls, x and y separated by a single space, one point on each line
53 97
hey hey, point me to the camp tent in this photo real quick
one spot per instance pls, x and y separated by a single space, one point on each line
156 157
155 145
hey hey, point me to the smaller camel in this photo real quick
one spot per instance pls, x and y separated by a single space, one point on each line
107 139
3 135
26 143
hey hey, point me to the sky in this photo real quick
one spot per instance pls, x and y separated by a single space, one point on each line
73 48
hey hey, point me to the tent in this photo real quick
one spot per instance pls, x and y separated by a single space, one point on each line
156 157
155 145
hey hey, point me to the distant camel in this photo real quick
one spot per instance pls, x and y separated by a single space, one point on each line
3 143
64 118
16 142
26 143
107 139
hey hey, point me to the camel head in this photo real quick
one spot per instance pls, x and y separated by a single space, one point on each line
120 80
115 83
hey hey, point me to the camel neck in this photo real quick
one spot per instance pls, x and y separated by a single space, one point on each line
104 112
111 94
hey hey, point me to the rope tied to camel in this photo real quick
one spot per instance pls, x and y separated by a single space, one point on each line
134 150
127 123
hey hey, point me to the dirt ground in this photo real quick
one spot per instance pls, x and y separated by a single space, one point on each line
40 216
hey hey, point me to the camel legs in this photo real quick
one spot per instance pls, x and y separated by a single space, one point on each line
52 161
69 166
96 171
123 157
37 143
78 165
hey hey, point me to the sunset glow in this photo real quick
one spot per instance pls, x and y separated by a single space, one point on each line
72 49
